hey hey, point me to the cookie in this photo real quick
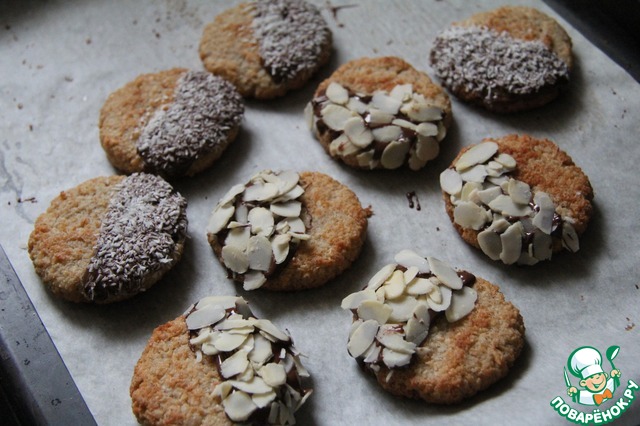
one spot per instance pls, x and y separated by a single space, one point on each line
109 238
267 47
517 198
171 123
287 231
510 59
218 365
380 113
427 331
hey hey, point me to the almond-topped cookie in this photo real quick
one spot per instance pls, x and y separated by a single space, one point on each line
517 198
267 47
509 59
380 113
287 230
428 331
219 365
109 238
171 123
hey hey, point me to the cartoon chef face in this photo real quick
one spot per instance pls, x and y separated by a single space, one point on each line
586 363
595 383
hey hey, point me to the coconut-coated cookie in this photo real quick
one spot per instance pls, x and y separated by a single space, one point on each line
380 113
218 365
109 238
428 331
510 59
172 123
286 231
267 47
517 198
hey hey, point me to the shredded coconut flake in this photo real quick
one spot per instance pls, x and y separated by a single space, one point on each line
204 110
291 36
480 60
138 236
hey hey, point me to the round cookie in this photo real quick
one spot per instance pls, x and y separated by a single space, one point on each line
109 238
379 113
286 231
267 47
517 198
218 365
510 59
171 123
427 331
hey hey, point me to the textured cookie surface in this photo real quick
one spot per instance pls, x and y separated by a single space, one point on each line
266 47
509 59
218 364
537 166
109 238
173 123
334 232
380 113
170 387
462 358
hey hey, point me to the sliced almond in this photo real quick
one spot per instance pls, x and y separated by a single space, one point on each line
520 192
504 205
511 240
542 246
443 302
234 365
280 247
409 258
225 302
394 286
372 354
254 386
342 146
238 406
287 208
268 327
205 316
220 218
402 308
427 148
404 124
387 133
259 253
506 160
462 303
226 342
362 338
543 219
261 221
337 94
260 192
374 310
253 280
402 92
354 300
263 399
292 194
477 154
488 195
273 374
419 286
395 342
450 182
490 243
365 158
385 103
238 237
393 359
335 116
235 259
357 132
394 154
377 117
262 350
381 276
476 173
570 237
410 273
446 274
469 215
356 105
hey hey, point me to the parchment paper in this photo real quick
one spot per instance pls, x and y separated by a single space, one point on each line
60 60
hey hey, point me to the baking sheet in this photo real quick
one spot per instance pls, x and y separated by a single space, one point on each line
60 60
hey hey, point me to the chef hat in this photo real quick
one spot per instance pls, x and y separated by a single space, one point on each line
585 361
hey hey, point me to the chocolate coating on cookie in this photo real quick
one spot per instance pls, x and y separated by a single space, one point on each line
204 111
291 35
266 47
507 60
145 220
172 123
